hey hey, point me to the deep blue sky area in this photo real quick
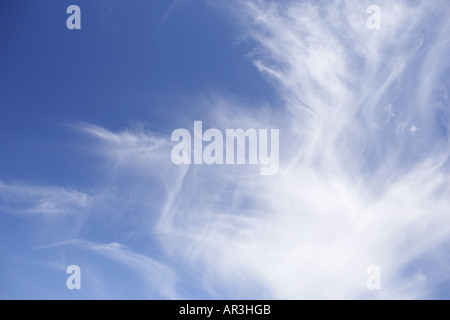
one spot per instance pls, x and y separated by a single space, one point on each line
130 61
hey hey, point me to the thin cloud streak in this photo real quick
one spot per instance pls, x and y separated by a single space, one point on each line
159 279
28 199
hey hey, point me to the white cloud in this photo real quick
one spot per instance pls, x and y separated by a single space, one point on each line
348 195
26 198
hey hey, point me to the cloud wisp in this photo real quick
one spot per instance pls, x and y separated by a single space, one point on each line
28 199
157 277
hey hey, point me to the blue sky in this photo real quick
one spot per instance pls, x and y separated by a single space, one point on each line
86 177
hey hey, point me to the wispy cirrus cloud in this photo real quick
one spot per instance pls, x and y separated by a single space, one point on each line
136 147
159 279
48 200
353 190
